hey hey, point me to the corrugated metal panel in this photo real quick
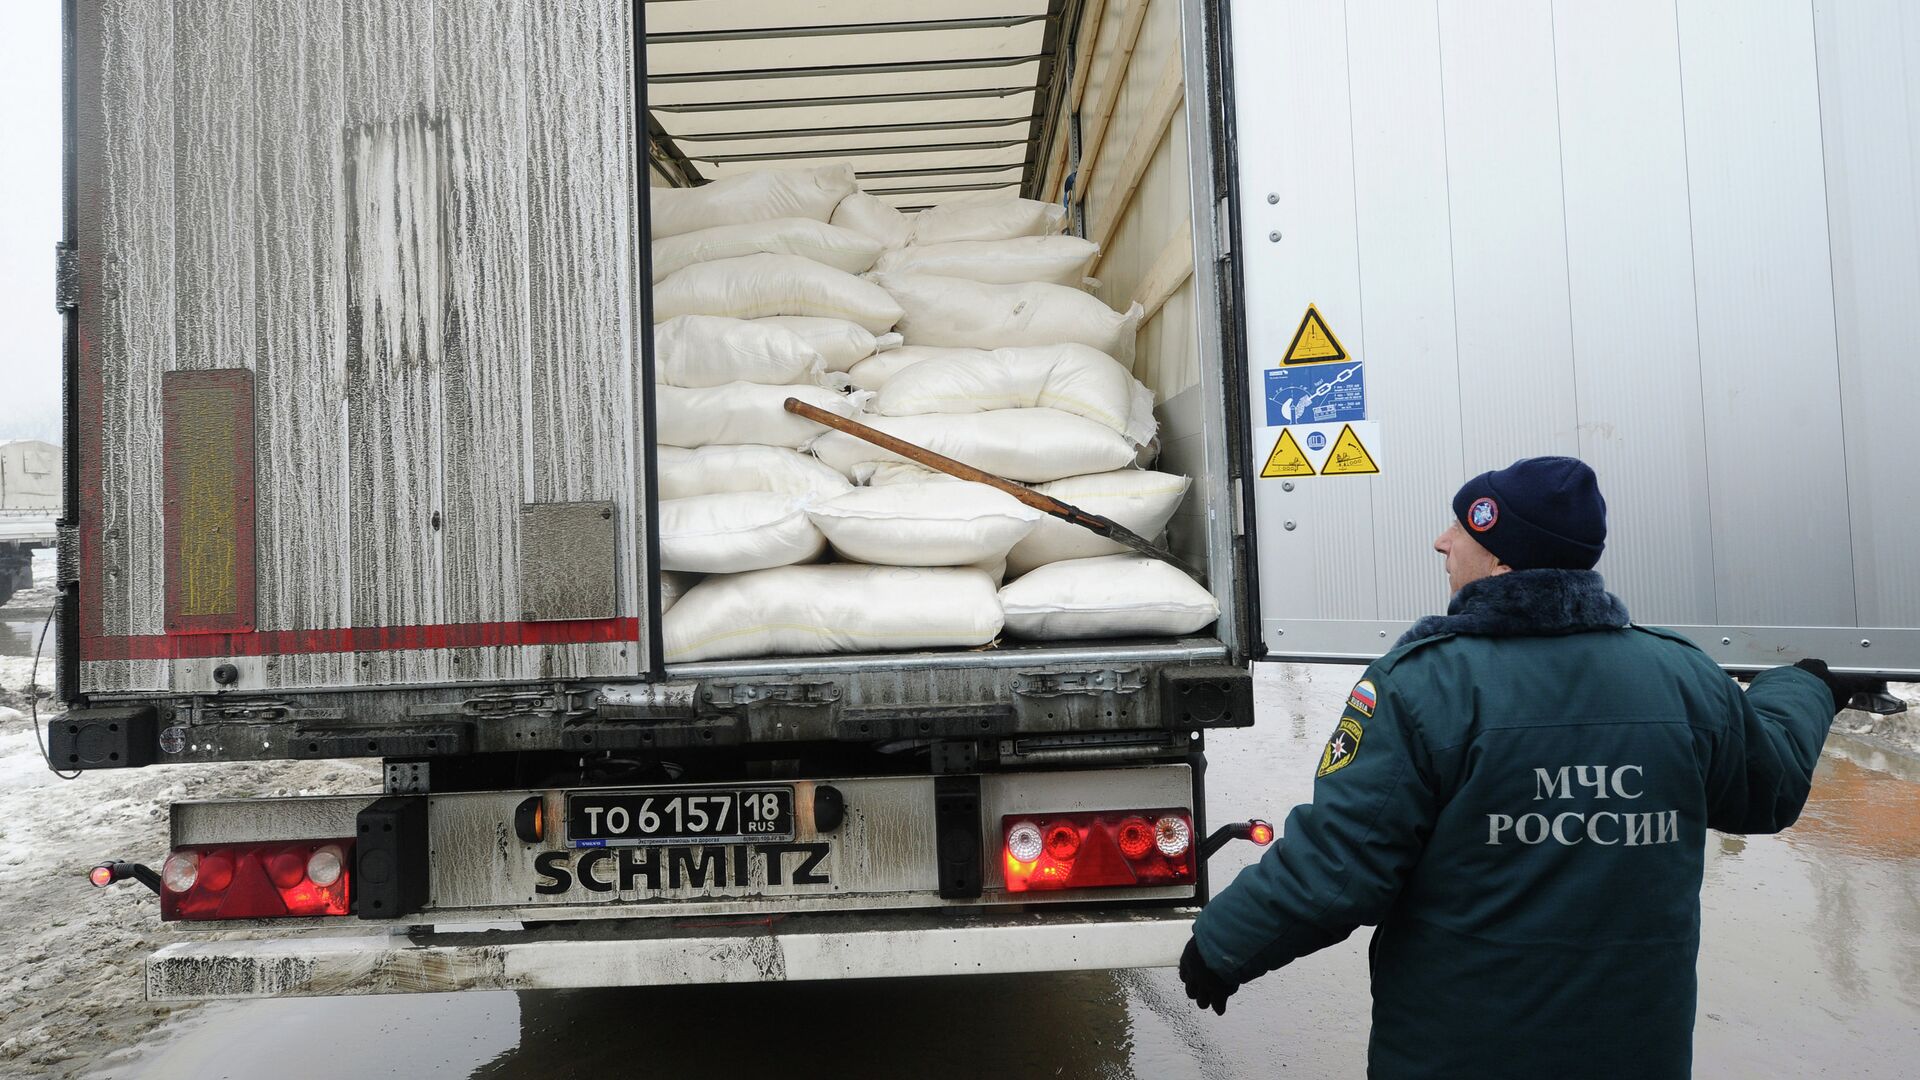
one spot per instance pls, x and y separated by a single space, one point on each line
1630 256
1778 474
1638 224
1868 53
416 224
1406 269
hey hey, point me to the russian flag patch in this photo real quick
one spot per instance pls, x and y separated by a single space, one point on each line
1362 699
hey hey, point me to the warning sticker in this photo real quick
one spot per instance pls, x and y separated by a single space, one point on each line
1314 342
1348 457
1321 394
1287 459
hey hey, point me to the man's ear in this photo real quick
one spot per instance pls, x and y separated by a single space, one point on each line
1500 568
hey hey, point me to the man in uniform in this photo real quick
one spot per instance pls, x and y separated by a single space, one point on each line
1517 796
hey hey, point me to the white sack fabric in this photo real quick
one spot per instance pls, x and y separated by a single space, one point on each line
842 249
1062 260
1072 378
754 196
872 217
743 413
1138 500
708 350
987 219
882 473
713 470
757 286
727 534
950 311
841 344
876 371
1028 445
932 524
833 607
674 586
1112 596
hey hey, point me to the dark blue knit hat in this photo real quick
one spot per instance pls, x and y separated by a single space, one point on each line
1537 513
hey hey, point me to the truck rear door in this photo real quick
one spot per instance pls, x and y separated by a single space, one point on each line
1679 241
359 367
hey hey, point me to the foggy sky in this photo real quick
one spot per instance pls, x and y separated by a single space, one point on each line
29 218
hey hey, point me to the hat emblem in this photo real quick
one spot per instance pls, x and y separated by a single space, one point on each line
1482 514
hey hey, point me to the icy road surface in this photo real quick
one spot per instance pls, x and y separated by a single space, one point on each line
1810 964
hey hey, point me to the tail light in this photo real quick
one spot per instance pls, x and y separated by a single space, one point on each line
258 881
1100 849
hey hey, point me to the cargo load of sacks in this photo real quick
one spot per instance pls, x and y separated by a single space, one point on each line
966 329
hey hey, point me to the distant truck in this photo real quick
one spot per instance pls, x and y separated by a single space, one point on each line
29 509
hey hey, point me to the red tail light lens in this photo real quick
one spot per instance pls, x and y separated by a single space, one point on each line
1098 849
258 881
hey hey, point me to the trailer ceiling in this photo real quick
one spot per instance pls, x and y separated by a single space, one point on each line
929 101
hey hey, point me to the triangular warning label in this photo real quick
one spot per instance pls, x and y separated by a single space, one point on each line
1286 459
1348 458
1314 342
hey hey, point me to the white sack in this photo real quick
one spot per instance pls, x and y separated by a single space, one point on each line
1062 260
842 249
882 473
1028 445
742 413
1112 596
757 286
727 534
710 350
755 196
876 371
987 219
841 344
829 608
1138 500
863 213
713 470
950 311
673 586
930 524
1072 378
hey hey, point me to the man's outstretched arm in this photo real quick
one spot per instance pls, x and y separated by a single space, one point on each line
1342 858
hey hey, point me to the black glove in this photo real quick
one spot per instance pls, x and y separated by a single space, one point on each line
1843 687
1208 990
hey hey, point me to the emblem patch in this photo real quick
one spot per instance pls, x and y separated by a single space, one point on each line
1482 514
1362 698
1341 748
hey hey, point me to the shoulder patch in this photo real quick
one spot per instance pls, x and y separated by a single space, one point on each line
1363 698
1342 747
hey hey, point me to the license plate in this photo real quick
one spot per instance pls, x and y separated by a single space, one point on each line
670 816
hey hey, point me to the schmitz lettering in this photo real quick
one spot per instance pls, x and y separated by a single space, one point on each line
1606 827
696 866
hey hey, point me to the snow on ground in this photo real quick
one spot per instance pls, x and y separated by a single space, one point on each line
74 983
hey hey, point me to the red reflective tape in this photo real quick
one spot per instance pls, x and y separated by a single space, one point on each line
359 639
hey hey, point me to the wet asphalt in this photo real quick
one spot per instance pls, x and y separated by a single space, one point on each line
1810 966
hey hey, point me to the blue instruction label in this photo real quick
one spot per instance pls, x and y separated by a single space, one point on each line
1316 394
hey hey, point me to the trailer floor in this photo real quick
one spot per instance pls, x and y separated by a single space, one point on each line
1810 963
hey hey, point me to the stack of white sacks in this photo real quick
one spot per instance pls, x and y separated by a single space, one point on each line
966 330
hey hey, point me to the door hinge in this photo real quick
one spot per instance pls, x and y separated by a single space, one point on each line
1223 224
791 692
66 278
1097 681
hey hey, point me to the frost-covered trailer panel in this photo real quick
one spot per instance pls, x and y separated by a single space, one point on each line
358 368
1679 239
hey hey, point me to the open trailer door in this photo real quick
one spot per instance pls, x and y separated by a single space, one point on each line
360 371
1684 249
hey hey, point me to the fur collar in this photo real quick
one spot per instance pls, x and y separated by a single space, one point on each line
1526 603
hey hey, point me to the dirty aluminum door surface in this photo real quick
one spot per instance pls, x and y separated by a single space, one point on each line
1678 240
359 369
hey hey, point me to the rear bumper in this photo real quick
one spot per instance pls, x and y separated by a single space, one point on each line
677 952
